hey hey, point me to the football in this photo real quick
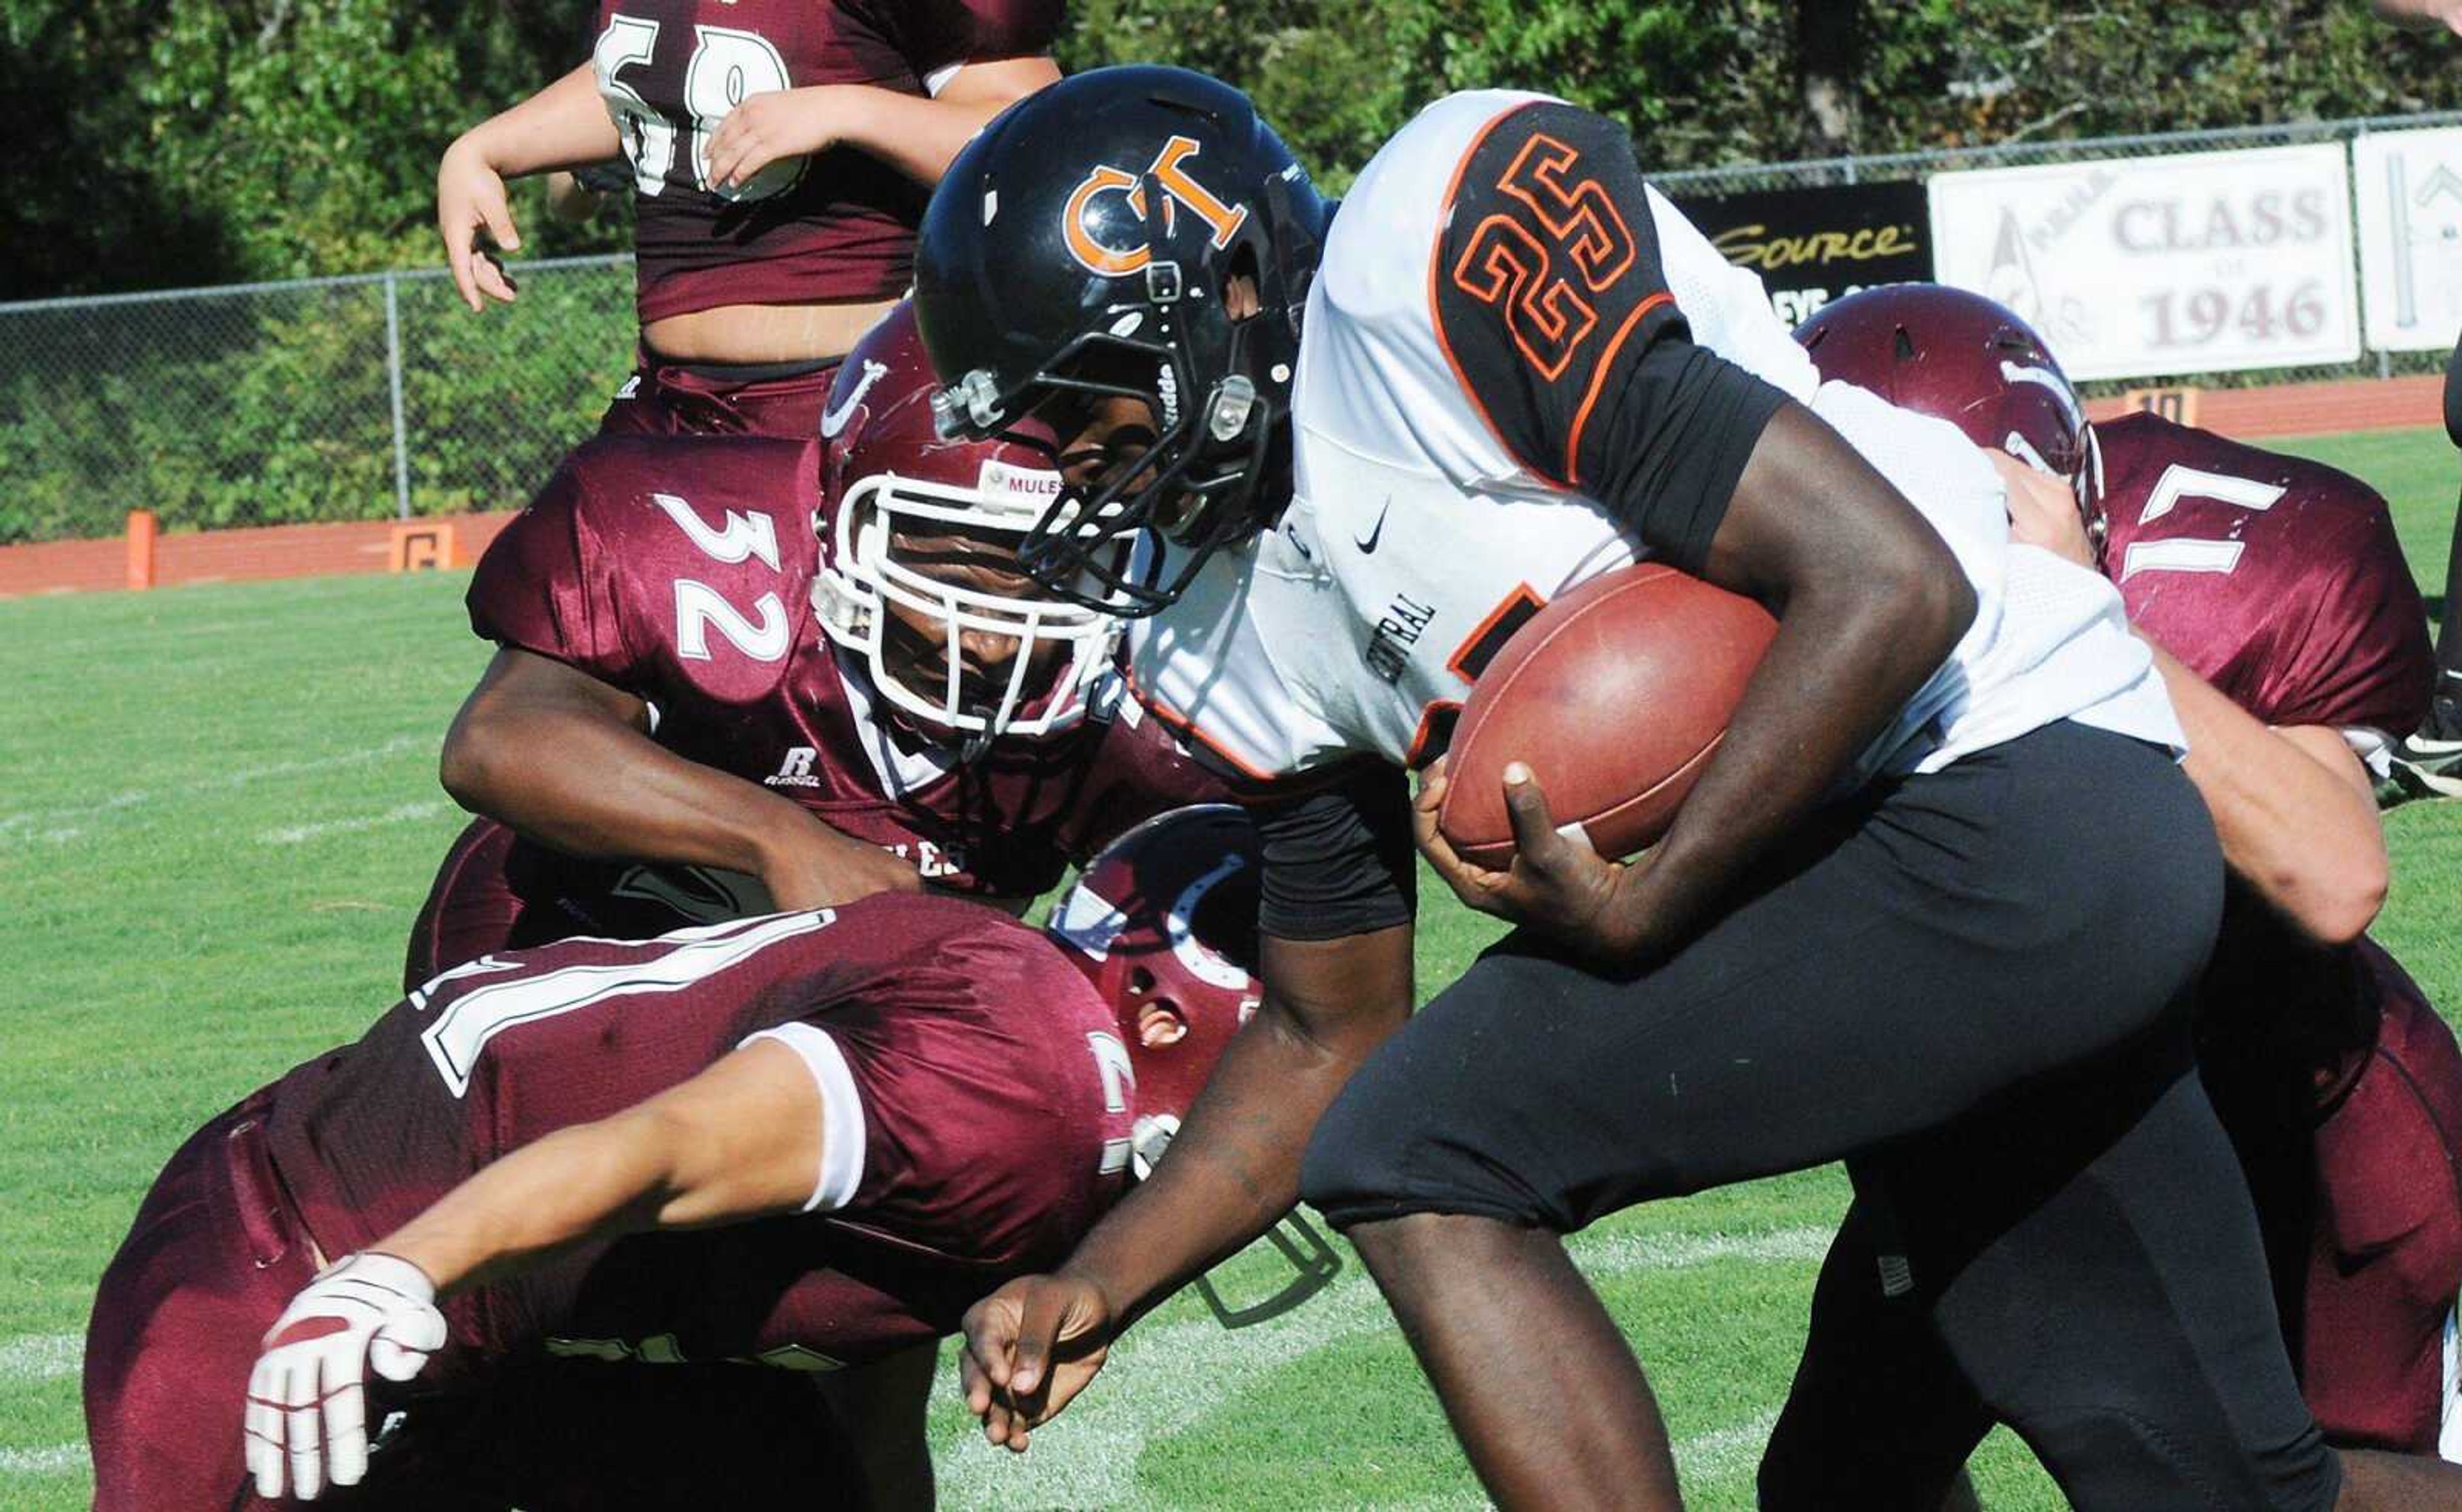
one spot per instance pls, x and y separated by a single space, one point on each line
1614 695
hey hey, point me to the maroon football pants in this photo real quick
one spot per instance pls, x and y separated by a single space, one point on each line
214 1258
2385 1239
216 1254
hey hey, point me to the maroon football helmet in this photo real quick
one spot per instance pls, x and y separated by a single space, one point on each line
1164 924
1957 355
889 482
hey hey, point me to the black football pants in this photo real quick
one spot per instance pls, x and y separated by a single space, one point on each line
2445 715
1973 985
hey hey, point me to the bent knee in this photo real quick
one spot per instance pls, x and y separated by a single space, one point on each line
2110 1457
1354 1162
1386 1149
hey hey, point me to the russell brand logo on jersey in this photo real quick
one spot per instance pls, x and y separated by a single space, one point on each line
797 770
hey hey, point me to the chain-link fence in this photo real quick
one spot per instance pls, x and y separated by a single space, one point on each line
368 397
1917 166
342 399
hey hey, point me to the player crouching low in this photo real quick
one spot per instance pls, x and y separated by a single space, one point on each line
469 1257
2290 635
740 673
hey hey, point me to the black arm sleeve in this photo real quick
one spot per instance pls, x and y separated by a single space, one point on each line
1553 307
1339 860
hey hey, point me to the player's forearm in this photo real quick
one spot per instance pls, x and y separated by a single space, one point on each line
740 1140
565 125
2305 836
1232 1171
588 1182
1845 659
1234 1167
1870 602
594 787
917 135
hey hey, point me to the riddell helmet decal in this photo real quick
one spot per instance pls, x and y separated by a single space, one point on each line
1178 188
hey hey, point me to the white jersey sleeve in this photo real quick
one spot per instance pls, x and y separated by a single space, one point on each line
1465 361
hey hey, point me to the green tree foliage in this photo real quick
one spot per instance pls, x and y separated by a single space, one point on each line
181 143
212 141
207 141
1706 82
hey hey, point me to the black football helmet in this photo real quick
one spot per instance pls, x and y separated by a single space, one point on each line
1083 247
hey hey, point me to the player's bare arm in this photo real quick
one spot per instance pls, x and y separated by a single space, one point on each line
563 126
917 135
568 759
2295 809
2293 806
1234 1169
1870 603
741 1140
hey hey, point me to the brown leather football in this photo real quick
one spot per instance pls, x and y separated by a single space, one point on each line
1615 696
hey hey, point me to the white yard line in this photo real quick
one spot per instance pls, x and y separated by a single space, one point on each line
41 1356
399 814
62 824
51 1459
1721 1453
1161 1381
1164 1380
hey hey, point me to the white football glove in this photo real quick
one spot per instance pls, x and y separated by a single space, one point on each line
307 1399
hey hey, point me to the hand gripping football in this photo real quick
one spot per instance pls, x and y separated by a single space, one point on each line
1615 696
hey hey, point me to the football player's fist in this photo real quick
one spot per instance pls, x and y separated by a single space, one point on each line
1557 885
307 1399
814 866
1030 1347
770 125
469 198
2043 511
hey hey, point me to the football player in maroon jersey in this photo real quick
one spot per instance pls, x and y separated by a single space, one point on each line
675 741
780 156
2291 636
804 1140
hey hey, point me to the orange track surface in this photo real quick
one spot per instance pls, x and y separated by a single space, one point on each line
2313 409
228 556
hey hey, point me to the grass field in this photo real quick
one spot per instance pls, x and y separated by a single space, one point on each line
220 813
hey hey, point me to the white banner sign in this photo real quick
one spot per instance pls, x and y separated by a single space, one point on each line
2146 267
2409 185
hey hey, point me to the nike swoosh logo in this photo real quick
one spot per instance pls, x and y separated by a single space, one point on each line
835 420
1368 547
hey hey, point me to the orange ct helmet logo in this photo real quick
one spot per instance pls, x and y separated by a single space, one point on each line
1177 190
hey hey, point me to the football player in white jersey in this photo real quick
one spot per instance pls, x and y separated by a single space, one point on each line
1357 451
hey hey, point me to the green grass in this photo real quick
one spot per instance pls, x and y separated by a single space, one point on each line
220 813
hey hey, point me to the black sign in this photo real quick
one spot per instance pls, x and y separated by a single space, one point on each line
1815 244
